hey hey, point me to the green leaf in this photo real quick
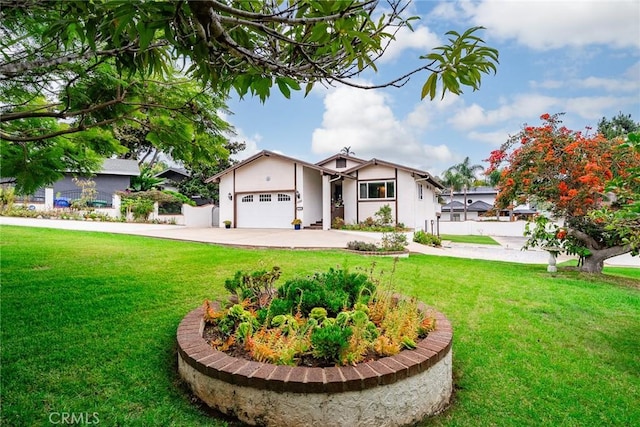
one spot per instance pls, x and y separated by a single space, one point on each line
430 86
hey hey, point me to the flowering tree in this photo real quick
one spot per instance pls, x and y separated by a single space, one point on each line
582 178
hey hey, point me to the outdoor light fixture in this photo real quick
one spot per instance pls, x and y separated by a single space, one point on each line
230 196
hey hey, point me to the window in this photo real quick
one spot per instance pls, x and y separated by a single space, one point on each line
455 217
284 198
420 192
341 163
377 190
247 199
264 197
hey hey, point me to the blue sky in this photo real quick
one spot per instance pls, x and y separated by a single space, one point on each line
580 57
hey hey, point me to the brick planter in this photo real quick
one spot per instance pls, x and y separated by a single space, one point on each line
392 391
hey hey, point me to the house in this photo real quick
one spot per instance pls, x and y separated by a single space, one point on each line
480 204
115 175
173 176
269 190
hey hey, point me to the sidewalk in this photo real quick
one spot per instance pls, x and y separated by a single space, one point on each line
508 250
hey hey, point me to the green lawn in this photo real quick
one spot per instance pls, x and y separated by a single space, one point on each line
481 240
88 324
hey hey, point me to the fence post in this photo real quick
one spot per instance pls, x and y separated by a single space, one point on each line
48 198
116 202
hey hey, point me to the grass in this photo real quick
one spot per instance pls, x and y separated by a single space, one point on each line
88 326
481 240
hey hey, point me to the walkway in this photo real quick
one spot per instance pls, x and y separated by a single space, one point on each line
508 250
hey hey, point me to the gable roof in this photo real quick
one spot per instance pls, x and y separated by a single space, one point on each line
341 156
267 153
172 172
415 172
479 206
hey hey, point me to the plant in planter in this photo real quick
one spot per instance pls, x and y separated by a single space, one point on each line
391 242
297 222
331 318
227 223
426 239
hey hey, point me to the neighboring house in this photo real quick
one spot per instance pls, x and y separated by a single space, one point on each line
172 177
480 205
269 190
114 176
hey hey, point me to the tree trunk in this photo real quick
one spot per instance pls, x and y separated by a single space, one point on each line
592 264
595 262
465 202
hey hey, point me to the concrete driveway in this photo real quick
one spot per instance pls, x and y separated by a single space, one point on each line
509 249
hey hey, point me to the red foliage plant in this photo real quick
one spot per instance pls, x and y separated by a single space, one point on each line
568 169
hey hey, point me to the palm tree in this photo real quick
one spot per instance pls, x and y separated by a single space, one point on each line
347 151
468 176
453 180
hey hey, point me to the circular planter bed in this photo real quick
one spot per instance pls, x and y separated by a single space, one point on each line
391 391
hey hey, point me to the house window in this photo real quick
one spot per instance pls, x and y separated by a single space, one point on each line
264 197
455 217
341 163
284 198
377 190
247 199
420 192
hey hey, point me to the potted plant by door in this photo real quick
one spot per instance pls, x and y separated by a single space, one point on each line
296 223
227 224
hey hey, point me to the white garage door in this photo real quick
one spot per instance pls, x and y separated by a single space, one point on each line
265 210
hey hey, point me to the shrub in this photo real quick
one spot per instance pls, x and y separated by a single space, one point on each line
384 215
346 319
394 241
329 342
426 238
357 245
7 198
337 223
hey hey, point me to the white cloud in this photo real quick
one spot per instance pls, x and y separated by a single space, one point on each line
421 39
594 108
522 106
544 25
494 138
364 121
250 141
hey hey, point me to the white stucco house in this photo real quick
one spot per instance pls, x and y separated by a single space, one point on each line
269 190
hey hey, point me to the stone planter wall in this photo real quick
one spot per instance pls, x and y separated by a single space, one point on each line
392 391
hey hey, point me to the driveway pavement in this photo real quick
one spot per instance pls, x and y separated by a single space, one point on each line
508 250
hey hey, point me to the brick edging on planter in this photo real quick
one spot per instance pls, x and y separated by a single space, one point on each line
194 350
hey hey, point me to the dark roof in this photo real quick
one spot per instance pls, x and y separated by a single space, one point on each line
455 204
174 173
479 206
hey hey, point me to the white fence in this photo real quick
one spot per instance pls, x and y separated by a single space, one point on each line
192 216
486 228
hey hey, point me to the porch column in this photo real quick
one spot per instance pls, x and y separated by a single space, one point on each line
326 202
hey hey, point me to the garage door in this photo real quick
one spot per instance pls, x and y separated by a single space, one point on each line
265 210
